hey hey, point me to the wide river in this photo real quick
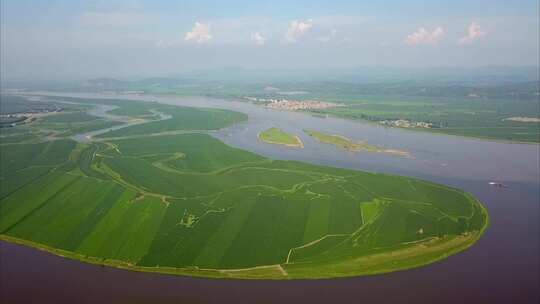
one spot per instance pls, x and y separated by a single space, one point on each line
503 267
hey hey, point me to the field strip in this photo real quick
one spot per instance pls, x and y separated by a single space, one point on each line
276 267
119 180
267 169
136 136
311 243
41 205
366 189
349 194
425 204
425 247
364 225
428 239
210 211
412 186
454 245
26 184
283 271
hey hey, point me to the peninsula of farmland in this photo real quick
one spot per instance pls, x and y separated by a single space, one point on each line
165 196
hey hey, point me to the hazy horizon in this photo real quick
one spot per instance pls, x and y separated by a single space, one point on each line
136 39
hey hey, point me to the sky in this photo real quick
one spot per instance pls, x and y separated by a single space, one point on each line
68 39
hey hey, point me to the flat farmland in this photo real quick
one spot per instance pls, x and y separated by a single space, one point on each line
189 204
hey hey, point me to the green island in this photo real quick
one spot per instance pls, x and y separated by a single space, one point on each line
280 137
345 143
188 204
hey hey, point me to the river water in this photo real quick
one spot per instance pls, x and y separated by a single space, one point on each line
503 267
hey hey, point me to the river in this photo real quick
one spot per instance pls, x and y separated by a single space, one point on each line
502 267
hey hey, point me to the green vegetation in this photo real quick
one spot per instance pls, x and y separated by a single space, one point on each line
188 204
345 143
280 137
72 120
475 118
17 138
182 118
133 110
473 109
157 118
66 124
341 142
464 105
73 117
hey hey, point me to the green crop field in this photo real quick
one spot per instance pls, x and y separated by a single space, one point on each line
474 118
188 204
73 117
148 118
65 124
182 118
280 137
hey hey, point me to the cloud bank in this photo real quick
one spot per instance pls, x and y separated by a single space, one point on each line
297 29
474 33
423 36
200 33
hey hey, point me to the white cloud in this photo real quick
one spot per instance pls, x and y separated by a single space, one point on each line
474 33
258 38
200 33
297 29
423 36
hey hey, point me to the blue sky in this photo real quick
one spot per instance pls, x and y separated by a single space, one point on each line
122 38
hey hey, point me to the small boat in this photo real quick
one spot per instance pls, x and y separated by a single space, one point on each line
498 185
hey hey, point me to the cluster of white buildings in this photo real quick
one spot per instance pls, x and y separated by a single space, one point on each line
522 119
402 123
29 116
32 113
293 105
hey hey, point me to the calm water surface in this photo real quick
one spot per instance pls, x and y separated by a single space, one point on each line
503 267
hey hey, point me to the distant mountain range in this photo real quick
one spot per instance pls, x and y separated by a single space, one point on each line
473 83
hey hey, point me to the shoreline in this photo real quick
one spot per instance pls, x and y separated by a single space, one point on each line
236 99
432 131
280 273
